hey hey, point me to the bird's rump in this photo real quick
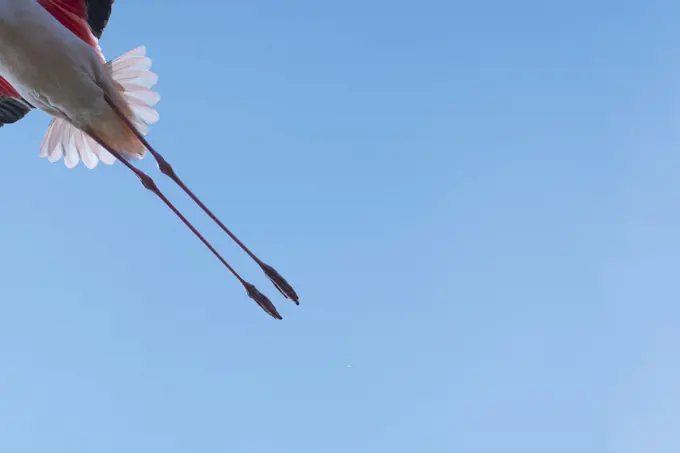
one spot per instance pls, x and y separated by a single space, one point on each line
134 79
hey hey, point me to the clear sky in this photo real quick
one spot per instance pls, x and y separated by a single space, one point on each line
478 203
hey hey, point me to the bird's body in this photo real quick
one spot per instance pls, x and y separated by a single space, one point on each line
50 59
69 87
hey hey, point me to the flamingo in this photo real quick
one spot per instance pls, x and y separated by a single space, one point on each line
50 59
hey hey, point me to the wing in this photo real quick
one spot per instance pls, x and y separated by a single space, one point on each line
97 15
12 107
71 14
12 110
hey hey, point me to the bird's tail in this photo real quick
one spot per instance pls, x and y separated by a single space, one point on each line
132 75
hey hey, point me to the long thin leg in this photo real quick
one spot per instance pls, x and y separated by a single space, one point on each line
277 279
262 300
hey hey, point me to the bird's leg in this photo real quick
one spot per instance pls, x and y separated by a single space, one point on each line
262 300
281 284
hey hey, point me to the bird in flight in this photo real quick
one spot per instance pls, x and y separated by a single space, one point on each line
101 111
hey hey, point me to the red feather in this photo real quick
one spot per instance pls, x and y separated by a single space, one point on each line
76 7
7 90
71 14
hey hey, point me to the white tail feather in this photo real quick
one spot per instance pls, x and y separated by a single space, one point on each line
132 70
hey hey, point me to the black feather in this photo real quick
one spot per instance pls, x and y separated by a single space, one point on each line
98 13
12 110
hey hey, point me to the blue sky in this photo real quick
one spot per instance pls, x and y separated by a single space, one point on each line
477 203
